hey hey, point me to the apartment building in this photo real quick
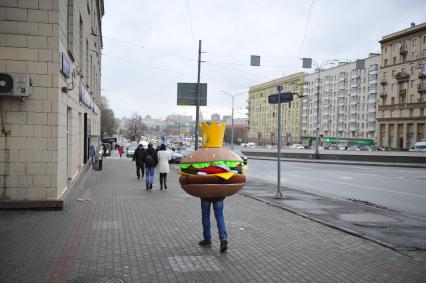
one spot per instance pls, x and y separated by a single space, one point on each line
346 101
263 121
50 74
401 115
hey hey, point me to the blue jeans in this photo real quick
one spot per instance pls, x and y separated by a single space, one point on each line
149 175
220 220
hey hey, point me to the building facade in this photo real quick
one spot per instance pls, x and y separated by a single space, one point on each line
347 103
46 133
401 115
263 121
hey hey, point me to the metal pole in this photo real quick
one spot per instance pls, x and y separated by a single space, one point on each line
197 109
279 195
318 89
232 124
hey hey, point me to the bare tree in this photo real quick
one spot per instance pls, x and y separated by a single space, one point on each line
134 127
108 122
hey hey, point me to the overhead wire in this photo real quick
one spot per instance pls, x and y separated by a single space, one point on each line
190 26
306 28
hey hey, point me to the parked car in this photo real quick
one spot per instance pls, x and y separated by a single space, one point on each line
364 147
131 151
353 148
297 146
175 156
240 154
185 152
379 148
419 146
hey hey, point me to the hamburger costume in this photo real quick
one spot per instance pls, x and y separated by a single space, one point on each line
212 173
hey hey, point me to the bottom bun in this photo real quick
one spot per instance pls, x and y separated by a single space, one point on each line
212 190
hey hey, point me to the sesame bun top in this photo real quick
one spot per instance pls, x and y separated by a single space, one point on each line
210 155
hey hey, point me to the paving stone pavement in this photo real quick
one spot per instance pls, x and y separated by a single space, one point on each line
111 227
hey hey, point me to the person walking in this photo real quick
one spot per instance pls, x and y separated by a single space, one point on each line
120 151
163 165
220 220
151 161
138 157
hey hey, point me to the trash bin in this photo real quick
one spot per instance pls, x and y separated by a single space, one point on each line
97 164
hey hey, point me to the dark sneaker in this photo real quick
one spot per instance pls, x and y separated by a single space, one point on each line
205 243
139 177
223 245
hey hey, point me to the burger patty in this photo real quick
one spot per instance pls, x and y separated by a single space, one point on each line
211 179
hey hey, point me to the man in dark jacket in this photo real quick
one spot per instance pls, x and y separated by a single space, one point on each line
138 157
151 161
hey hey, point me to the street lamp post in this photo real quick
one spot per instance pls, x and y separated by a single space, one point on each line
307 63
232 115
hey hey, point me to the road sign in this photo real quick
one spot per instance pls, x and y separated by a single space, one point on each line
187 94
163 139
284 97
280 88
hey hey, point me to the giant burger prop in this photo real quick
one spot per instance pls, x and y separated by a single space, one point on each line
212 171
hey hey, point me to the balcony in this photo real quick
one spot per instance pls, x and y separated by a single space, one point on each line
372 90
355 76
403 49
421 88
371 109
353 119
402 76
372 72
371 128
353 128
341 129
372 82
371 118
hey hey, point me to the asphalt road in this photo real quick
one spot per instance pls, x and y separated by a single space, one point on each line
400 189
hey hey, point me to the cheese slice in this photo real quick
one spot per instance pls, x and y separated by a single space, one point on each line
226 175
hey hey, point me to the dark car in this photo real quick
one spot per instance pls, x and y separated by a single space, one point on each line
240 154
365 147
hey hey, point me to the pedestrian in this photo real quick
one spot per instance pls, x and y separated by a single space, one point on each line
163 165
138 157
151 161
220 220
120 151
92 153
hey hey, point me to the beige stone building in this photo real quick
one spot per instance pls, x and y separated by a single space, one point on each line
263 119
401 111
347 103
50 51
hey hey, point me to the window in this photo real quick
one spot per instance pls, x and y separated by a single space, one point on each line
393 74
422 112
386 62
414 42
393 100
424 39
394 60
80 53
414 55
424 52
412 70
401 113
385 50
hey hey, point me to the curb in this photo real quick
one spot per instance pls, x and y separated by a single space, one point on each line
345 230
327 161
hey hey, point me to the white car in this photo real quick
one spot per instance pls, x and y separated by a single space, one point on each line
297 146
175 157
419 146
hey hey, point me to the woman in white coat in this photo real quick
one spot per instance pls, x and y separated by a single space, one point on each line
163 165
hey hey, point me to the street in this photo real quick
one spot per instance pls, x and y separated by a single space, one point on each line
113 230
400 189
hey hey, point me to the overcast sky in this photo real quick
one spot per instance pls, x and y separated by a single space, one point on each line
150 46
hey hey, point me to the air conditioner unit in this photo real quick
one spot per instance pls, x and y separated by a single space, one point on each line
14 84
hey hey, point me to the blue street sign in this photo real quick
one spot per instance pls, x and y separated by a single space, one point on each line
280 88
163 139
284 97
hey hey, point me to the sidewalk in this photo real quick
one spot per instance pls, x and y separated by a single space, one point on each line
112 227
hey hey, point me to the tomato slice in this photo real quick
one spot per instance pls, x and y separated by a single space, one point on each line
213 170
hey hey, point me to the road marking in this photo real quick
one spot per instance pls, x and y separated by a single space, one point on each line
359 186
346 178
